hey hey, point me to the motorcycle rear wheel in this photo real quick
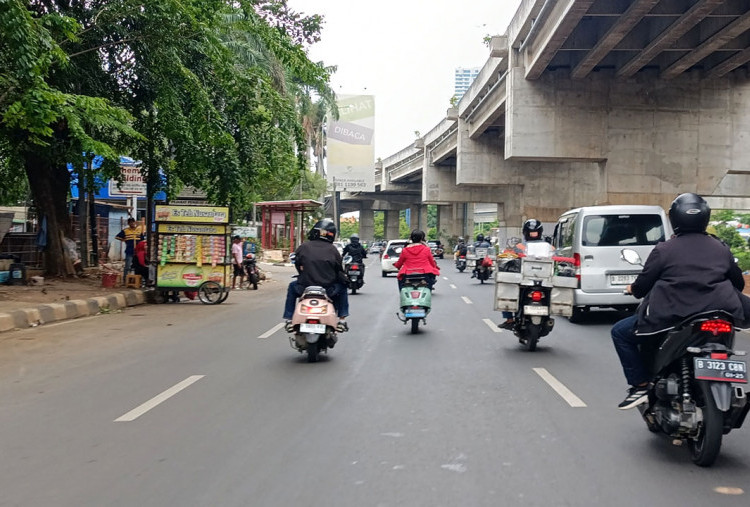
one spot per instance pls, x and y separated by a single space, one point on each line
704 449
312 352
532 336
414 326
354 290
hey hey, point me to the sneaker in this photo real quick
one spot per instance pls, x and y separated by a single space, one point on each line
342 326
288 326
508 324
637 395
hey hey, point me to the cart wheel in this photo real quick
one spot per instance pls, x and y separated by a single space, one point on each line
210 293
224 295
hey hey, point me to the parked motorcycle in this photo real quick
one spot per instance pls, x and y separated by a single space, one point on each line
461 263
355 273
415 300
252 274
691 397
314 323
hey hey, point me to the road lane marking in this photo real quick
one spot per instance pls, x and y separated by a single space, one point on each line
159 399
271 331
492 326
453 286
445 278
467 300
564 392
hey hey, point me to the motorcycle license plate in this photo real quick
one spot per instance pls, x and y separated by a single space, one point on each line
415 313
535 310
720 369
353 273
312 328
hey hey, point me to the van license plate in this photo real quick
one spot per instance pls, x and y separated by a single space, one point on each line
720 369
622 279
313 328
535 310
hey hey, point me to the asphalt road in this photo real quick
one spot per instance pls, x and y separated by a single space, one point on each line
197 405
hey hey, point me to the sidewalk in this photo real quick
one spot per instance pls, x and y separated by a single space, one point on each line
23 306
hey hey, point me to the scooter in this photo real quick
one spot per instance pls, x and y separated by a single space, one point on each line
355 273
415 300
484 268
314 323
461 263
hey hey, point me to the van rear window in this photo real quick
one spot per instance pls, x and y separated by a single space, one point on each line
622 230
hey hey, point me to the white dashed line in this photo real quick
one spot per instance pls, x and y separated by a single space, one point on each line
445 278
567 394
271 331
492 326
153 402
453 286
467 300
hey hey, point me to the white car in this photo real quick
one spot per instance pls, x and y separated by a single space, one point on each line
391 253
339 246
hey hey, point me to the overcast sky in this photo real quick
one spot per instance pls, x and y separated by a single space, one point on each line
404 52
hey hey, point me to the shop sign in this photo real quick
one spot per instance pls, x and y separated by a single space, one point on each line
192 214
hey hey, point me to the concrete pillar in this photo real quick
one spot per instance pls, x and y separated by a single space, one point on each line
448 224
366 224
391 224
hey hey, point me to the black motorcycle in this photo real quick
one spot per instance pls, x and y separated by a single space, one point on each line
532 320
355 273
252 274
461 263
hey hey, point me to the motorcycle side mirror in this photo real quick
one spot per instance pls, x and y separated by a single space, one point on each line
631 257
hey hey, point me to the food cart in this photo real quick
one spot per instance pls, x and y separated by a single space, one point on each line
192 251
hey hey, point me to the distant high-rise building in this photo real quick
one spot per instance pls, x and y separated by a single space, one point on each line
463 79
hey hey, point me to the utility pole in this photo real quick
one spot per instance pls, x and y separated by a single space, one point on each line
335 206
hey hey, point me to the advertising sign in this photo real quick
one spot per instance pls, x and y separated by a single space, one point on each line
350 148
278 218
192 214
132 182
190 275
190 229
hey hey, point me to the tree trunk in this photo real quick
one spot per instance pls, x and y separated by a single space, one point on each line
49 187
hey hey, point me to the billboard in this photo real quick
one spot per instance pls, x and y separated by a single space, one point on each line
132 181
350 146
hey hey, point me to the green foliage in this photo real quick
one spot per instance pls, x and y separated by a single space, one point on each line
724 215
379 224
348 228
730 236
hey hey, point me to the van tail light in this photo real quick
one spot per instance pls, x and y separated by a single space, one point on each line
536 296
716 326
577 266
385 256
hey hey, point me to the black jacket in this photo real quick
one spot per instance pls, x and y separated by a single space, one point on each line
318 262
356 250
688 274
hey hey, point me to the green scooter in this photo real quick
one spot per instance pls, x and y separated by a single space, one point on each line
416 300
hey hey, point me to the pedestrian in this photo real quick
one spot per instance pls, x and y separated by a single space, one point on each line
130 235
140 265
237 261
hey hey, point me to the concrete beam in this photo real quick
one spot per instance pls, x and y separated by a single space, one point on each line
729 64
489 109
716 41
563 19
499 46
444 148
669 36
624 24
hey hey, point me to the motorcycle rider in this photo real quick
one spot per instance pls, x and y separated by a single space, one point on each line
690 273
357 251
481 242
318 262
532 231
416 257
460 249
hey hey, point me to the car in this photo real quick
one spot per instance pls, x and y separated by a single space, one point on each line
339 246
391 254
437 249
594 237
375 249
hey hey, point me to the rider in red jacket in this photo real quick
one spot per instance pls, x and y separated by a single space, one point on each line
417 258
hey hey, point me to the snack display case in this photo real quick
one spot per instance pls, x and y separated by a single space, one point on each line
192 251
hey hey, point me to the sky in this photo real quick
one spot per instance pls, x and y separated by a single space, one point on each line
404 52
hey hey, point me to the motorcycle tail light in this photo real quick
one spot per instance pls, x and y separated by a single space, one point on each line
313 321
415 294
536 296
462 257
313 310
719 355
717 326
354 267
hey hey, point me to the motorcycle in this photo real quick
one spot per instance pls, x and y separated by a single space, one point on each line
313 323
355 273
415 300
532 319
461 263
483 263
690 396
252 274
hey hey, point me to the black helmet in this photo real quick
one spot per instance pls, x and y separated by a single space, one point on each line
480 237
532 226
461 239
354 238
689 213
324 229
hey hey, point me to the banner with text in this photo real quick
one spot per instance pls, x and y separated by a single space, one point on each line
350 148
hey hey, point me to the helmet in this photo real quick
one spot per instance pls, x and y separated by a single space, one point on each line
534 227
461 239
354 238
480 237
689 213
324 229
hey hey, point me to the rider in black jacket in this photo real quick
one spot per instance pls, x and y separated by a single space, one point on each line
691 273
357 251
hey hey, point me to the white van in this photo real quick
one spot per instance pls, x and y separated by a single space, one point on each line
594 236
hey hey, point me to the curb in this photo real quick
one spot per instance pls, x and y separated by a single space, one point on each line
55 312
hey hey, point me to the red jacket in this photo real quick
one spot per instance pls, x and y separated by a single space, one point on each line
416 258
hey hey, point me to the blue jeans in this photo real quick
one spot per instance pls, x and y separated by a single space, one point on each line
337 293
626 344
128 266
